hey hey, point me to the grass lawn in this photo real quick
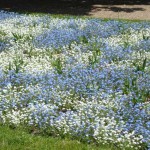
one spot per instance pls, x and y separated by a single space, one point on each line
20 139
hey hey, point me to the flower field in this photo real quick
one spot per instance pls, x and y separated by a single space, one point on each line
87 79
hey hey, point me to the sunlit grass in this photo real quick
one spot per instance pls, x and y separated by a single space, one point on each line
20 139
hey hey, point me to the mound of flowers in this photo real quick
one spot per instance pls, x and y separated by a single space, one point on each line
88 79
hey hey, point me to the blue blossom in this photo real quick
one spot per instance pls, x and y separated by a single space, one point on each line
101 94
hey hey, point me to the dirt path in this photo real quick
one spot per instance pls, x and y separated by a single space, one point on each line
122 9
140 12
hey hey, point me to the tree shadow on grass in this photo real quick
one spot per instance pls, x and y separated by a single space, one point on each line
72 7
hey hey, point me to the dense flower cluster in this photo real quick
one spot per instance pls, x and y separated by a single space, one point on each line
84 78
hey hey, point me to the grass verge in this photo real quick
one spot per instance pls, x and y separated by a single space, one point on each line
20 139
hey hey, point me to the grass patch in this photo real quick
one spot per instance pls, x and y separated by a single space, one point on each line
20 139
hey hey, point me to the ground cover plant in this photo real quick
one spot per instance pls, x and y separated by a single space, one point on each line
85 79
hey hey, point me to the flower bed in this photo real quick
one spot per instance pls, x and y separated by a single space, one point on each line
84 78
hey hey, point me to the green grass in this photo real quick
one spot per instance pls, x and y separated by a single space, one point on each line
20 139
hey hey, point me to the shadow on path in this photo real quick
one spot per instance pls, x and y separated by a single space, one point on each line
73 7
